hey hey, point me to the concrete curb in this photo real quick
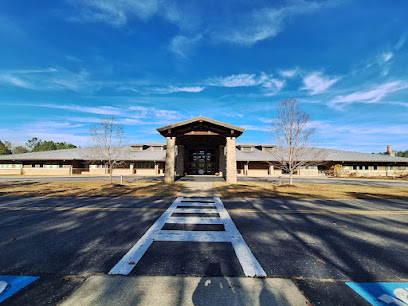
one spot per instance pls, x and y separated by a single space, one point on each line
173 290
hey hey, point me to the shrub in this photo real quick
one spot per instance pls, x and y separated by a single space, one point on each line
337 171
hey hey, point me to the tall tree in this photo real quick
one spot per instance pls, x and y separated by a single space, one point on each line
19 150
4 148
32 143
292 134
108 136
37 145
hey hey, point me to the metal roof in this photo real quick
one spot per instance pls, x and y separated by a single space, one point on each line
89 154
202 118
125 153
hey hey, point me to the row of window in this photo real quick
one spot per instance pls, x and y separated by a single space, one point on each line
47 166
11 166
376 168
147 165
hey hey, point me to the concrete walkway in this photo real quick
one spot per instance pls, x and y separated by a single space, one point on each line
173 290
199 189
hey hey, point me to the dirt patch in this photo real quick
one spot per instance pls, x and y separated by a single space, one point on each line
92 189
318 191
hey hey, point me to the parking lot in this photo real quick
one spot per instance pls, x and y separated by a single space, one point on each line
318 244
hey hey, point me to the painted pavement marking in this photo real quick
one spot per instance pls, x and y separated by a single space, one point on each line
249 263
384 293
12 284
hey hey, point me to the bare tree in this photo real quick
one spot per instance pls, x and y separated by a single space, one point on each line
291 131
108 136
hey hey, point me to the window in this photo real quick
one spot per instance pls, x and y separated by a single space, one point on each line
375 167
157 148
136 148
366 167
355 168
41 165
246 149
390 167
149 165
61 165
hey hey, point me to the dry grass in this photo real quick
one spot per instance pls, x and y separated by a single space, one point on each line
91 189
318 191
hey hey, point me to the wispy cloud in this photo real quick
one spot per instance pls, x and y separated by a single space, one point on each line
182 45
49 79
115 12
261 24
256 128
315 83
373 95
288 73
131 112
270 84
187 89
15 81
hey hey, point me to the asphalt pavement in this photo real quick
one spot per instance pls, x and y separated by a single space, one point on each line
211 178
318 244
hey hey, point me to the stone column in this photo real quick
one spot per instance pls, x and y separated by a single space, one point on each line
156 168
180 161
270 169
131 169
231 161
221 161
246 169
170 160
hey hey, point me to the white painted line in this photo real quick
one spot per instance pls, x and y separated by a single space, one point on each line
193 204
198 200
131 258
193 236
231 234
3 286
249 263
194 220
196 210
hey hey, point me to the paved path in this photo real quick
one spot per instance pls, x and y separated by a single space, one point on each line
199 189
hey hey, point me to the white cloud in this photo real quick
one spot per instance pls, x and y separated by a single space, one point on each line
256 128
386 56
182 45
49 79
235 80
316 83
288 73
261 24
186 89
369 96
15 81
114 12
268 82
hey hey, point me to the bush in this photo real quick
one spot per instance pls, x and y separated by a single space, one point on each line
337 171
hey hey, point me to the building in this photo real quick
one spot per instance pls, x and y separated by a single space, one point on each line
197 146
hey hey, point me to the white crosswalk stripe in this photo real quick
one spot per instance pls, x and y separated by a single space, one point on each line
249 263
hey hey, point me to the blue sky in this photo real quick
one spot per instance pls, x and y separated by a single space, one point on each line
66 63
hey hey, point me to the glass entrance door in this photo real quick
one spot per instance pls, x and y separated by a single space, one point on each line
201 161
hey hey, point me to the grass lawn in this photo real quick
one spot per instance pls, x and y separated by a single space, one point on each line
91 189
319 191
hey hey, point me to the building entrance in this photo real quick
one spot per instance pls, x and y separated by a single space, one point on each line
202 161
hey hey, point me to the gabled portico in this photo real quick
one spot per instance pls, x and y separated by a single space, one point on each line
201 146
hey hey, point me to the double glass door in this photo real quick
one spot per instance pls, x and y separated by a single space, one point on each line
201 161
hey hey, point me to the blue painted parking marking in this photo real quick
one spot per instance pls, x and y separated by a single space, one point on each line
11 284
382 293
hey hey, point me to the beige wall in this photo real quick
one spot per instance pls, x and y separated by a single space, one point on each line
10 170
46 171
